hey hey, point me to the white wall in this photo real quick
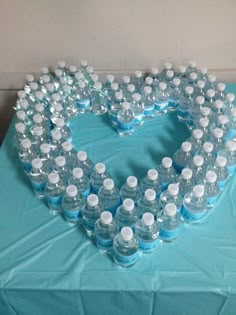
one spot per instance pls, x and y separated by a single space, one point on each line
113 35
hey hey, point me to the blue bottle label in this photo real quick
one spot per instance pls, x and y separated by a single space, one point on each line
113 117
211 201
27 166
85 193
221 184
148 110
72 216
138 119
38 187
125 261
83 104
104 244
231 169
54 201
161 105
230 134
192 217
148 247
126 127
182 113
89 224
173 102
168 235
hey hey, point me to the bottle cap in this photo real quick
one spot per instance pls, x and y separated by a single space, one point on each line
152 174
131 88
154 70
39 108
81 84
60 122
187 173
92 200
37 118
126 233
203 70
173 189
108 183
211 93
61 64
205 111
222 119
126 79
119 95
170 210
170 74
77 172
211 78
193 76
166 162
89 69
162 86
138 74
167 65
150 194
39 95
230 97
56 97
186 146
233 111
24 104
21 114
34 86
45 148
67 146
94 77
67 88
128 204
114 86
46 78
149 80
207 147
58 72
198 191
132 181
37 164
125 105
26 143
198 160
82 156
53 178
110 78
221 87
182 69
20 127
56 135
203 122
200 100
148 219
29 78
84 63
176 81
147 90
98 85
218 133
100 168
21 94
211 177
72 68
57 107
197 134
192 64
136 97
189 90
71 190
200 84
38 131
230 146
60 161
218 104
221 161
106 217
78 76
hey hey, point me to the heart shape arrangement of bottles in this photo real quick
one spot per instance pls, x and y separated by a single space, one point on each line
139 216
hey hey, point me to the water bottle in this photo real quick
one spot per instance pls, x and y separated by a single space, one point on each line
56 99
109 196
57 111
211 84
151 181
91 213
98 100
229 100
169 221
69 153
38 178
54 192
125 82
125 119
221 171
58 79
206 112
26 155
125 248
196 140
155 76
149 102
185 181
138 109
21 133
192 67
28 80
38 137
78 78
210 97
192 80
81 181
208 154
83 65
111 94
106 230
203 73
149 203
167 67
65 131
161 99
138 80
72 205
199 90
21 117
40 109
174 94
197 168
185 102
182 74
169 77
62 66
40 98
182 156
222 122
194 205
83 98
47 157
89 71
218 108
34 89
128 93
116 106
39 122
220 91
211 188
194 111
56 141
131 189
84 162
217 139
172 195
229 152
108 84
127 214
232 124
203 124
167 173
98 176
147 232
61 169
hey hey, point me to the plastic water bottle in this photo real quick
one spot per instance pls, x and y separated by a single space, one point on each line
232 124
167 173
194 205
192 67
169 221
108 83
109 196
217 139
174 94
199 90
229 152
149 203
203 73
169 77
203 124
131 189
40 109
172 195
72 205
155 76
38 178
21 133
183 156
194 111
220 91
147 232
208 154
182 73
38 137
84 162
210 97
185 102
56 141
211 188
198 168
218 108
91 213
98 100
111 94
46 157
83 98
229 100
61 169
149 102
161 99
151 181
65 131
28 80
196 140
57 111
138 109
185 181
192 80
69 153
222 122
211 84
125 248
127 214
221 171
125 120
98 176
21 117
105 231
205 112
125 82
81 181
54 192
128 93
116 106
26 155
167 67
138 80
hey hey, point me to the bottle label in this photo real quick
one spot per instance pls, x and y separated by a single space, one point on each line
221 183
192 217
231 169
89 224
83 104
126 127
230 134
182 113
113 117
138 119
168 235
27 166
148 110
125 261
54 201
173 102
161 105
211 201
85 193
72 216
38 187
104 243
148 247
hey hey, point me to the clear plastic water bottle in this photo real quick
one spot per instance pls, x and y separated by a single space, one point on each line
58 78
38 178
65 131
28 80
69 153
106 230
218 108
203 73
138 80
40 109
72 205
125 82
221 171
174 94
108 84
172 195
182 74
26 155
131 189
167 173
57 111
182 156
194 205
205 112
47 157
199 90
83 98
185 102
211 188
196 140
192 79
56 142
185 181
229 152
169 221
198 168
98 176
125 248
61 169
125 120
169 77
211 81
192 67
232 124
91 213
127 214
229 100
84 162
98 100
81 181
111 94
148 102
194 111
149 203
208 154
54 192
222 122
155 76
151 181
128 93
109 196
21 117
147 232
20 134
167 67
220 91
116 106
161 99
38 137
210 97
217 139
203 124
138 109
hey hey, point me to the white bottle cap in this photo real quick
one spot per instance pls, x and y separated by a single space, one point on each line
187 173
114 86
37 164
198 160
211 78
78 76
67 146
136 97
218 104
170 74
193 76
211 177
106 217
149 80
182 69
126 233
77 172
94 77
119 95
170 210
108 183
200 84
38 131
60 161
84 63
29 78
154 70
71 190
221 161
205 111
173 189
21 94
138 74
189 90
162 86
39 108
207 147
82 156
203 70
60 122
98 85
167 65
39 95
53 178
200 100
57 107
230 97
230 146
45 148
131 88
89 69
222 119
100 168
186 146
166 162
126 79
147 90
148 219
81 84
34 86
125 105
24 104
176 81
233 111
21 115
92 200
56 97
26 143
198 191
128 204
58 72
72 68
211 93
37 118
46 78
132 181
218 133
152 174
221 87
56 135
110 78
61 64
150 194
192 63
197 134
203 122
20 127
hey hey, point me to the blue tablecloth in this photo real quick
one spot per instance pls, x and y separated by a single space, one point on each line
47 267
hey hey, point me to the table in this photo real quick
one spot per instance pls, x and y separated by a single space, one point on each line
48 267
